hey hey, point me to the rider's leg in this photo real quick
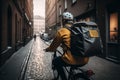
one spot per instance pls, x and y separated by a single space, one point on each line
59 63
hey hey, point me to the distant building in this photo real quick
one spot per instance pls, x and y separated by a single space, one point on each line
39 24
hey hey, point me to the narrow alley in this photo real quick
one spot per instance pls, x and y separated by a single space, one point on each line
32 63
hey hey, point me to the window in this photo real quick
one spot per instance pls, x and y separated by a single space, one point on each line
65 4
60 10
73 1
113 30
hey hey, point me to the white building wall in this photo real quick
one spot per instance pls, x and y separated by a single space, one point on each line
39 25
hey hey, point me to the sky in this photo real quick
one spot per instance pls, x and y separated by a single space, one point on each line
39 7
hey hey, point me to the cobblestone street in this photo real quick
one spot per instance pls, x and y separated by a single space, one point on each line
39 64
31 62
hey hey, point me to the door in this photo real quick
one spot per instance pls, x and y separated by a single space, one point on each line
113 43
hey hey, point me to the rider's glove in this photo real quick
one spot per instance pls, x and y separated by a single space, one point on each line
46 50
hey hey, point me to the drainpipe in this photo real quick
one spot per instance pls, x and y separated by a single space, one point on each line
23 16
56 16
0 26
95 7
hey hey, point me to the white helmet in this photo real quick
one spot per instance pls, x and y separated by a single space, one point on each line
67 16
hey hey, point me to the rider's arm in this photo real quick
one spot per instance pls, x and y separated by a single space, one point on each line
55 43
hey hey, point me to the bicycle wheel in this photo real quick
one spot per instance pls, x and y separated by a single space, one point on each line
56 75
76 77
80 76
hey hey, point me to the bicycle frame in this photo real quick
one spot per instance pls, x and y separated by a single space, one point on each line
71 71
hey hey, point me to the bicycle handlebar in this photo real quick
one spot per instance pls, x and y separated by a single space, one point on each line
58 52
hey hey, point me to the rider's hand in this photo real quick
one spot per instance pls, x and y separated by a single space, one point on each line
46 50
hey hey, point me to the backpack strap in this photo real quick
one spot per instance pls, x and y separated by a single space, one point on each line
67 48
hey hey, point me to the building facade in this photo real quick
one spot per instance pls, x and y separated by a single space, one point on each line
28 20
105 14
13 25
51 17
39 24
108 20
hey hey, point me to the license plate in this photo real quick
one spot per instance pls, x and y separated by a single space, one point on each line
93 33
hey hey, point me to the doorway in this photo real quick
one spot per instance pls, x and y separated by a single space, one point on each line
9 26
113 37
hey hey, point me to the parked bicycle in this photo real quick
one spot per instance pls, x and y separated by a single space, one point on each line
73 72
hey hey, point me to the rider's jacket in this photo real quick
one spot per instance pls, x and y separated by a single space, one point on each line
63 38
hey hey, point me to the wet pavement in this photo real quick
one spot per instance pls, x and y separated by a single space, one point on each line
13 67
39 65
32 63
103 69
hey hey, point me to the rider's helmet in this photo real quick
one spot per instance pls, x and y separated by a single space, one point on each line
67 17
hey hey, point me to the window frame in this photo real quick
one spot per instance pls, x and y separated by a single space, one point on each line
65 4
60 10
73 1
113 31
